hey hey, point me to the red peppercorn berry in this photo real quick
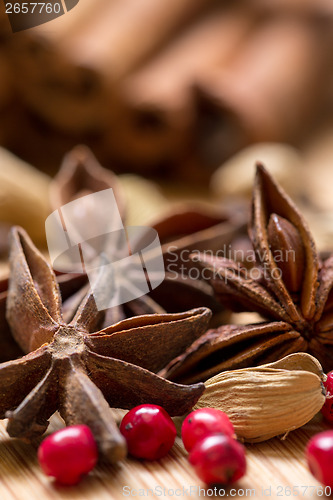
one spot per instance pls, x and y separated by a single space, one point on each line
327 409
202 423
68 454
149 431
218 459
319 454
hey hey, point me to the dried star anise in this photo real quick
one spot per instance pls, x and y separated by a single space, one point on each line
293 291
181 231
80 175
79 368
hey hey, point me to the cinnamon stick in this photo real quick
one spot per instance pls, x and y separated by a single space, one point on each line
64 73
6 85
271 92
127 32
75 22
212 41
67 96
295 7
158 98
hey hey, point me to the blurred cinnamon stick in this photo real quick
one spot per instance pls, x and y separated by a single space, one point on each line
67 96
273 90
70 97
126 32
297 7
6 84
158 99
212 41
118 75
72 25
65 70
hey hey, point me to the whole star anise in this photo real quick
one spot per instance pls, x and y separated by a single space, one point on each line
290 287
181 231
79 368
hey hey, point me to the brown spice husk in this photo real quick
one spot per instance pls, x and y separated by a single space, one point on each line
293 296
79 368
269 400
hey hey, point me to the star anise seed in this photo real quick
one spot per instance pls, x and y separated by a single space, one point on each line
185 229
79 368
293 292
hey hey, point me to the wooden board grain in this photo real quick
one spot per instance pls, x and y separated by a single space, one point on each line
274 468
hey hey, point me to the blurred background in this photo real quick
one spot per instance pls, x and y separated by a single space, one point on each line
187 93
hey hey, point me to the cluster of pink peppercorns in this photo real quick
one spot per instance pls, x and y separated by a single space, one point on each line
150 433
209 437
207 434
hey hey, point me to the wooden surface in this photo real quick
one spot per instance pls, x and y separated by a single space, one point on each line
272 466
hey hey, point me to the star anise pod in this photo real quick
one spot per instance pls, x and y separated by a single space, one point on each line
292 290
81 174
79 368
181 231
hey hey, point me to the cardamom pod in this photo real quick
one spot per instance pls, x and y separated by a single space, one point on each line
268 400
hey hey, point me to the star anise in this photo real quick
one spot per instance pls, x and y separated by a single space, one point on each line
79 368
181 231
293 291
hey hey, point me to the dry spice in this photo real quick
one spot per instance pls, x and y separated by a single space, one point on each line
268 400
78 368
181 231
293 293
